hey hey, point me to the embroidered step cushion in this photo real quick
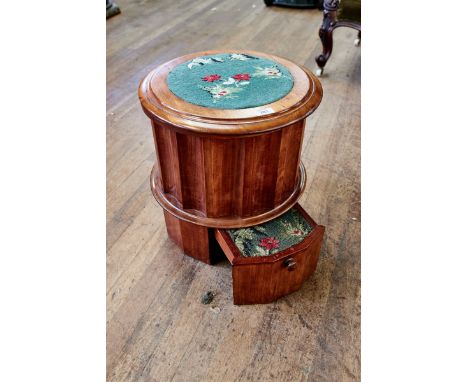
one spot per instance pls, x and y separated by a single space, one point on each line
230 81
274 236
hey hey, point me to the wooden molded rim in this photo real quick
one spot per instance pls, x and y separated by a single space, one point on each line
159 103
226 222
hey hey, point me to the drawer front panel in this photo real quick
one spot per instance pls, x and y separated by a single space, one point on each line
262 283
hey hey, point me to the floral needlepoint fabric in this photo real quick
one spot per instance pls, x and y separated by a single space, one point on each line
274 236
230 81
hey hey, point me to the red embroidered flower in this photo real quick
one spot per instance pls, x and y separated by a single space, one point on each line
269 243
242 77
211 78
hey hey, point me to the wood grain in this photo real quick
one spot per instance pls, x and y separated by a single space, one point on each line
192 239
228 168
261 280
157 329
161 104
236 183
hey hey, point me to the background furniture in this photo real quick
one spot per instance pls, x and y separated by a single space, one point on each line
336 13
112 9
295 3
230 168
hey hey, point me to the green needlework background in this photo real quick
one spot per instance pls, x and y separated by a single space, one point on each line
286 230
269 81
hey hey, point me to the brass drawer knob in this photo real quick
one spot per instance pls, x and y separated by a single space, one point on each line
290 264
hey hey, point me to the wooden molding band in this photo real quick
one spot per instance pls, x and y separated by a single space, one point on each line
160 104
196 217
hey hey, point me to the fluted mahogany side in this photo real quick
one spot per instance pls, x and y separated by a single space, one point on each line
225 168
227 183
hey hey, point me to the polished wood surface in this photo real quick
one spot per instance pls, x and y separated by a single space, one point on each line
192 239
157 329
266 282
228 168
161 104
228 183
260 280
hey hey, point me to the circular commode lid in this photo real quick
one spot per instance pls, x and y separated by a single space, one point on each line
230 81
230 92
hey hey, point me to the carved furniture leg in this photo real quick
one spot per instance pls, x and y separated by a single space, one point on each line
326 33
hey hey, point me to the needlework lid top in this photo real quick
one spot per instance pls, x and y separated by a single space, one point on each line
230 81
229 92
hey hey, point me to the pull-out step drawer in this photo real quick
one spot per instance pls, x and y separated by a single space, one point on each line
272 259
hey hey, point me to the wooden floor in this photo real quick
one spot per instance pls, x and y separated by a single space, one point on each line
157 329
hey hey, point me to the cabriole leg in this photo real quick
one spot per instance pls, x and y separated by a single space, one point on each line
326 34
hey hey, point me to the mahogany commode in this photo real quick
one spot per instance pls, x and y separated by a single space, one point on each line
220 168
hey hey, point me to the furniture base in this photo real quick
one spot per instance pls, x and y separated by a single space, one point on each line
194 240
255 280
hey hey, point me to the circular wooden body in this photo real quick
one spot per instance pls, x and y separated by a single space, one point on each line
228 168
